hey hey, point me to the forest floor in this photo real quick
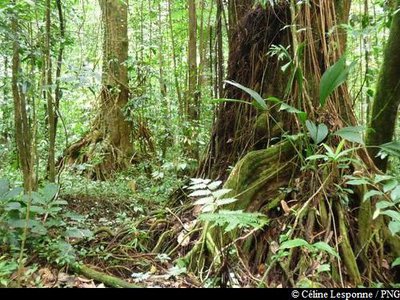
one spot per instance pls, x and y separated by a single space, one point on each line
125 225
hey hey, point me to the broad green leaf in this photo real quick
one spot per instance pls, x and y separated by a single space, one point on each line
395 194
78 233
384 204
334 77
318 133
395 215
325 247
37 209
36 199
394 227
290 109
256 96
21 223
380 178
12 206
50 191
14 193
74 216
39 229
294 244
391 185
371 194
352 134
396 262
4 187
357 182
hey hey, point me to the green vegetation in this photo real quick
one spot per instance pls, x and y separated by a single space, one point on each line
199 143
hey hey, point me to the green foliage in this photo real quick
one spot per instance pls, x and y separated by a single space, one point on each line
45 211
351 134
231 220
386 189
7 268
339 156
316 247
333 78
212 200
261 103
318 133
392 149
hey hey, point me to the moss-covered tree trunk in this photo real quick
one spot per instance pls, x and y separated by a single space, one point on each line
387 97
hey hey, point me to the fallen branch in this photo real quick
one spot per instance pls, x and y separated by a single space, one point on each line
108 280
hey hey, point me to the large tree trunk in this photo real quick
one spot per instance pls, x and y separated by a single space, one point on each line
115 93
234 132
276 181
387 97
108 146
239 128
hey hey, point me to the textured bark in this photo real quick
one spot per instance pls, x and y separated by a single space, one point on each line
49 97
192 99
387 97
23 133
234 130
237 9
115 93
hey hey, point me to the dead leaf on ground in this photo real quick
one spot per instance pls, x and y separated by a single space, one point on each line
285 208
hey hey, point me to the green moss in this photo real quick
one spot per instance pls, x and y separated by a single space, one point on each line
387 98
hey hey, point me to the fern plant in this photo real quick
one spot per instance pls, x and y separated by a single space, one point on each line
211 198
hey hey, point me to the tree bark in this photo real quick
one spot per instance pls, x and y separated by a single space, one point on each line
387 97
115 92
23 132
192 101
49 96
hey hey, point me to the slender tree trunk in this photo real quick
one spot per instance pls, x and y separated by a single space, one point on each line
49 97
58 92
220 50
23 134
193 101
387 97
174 59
